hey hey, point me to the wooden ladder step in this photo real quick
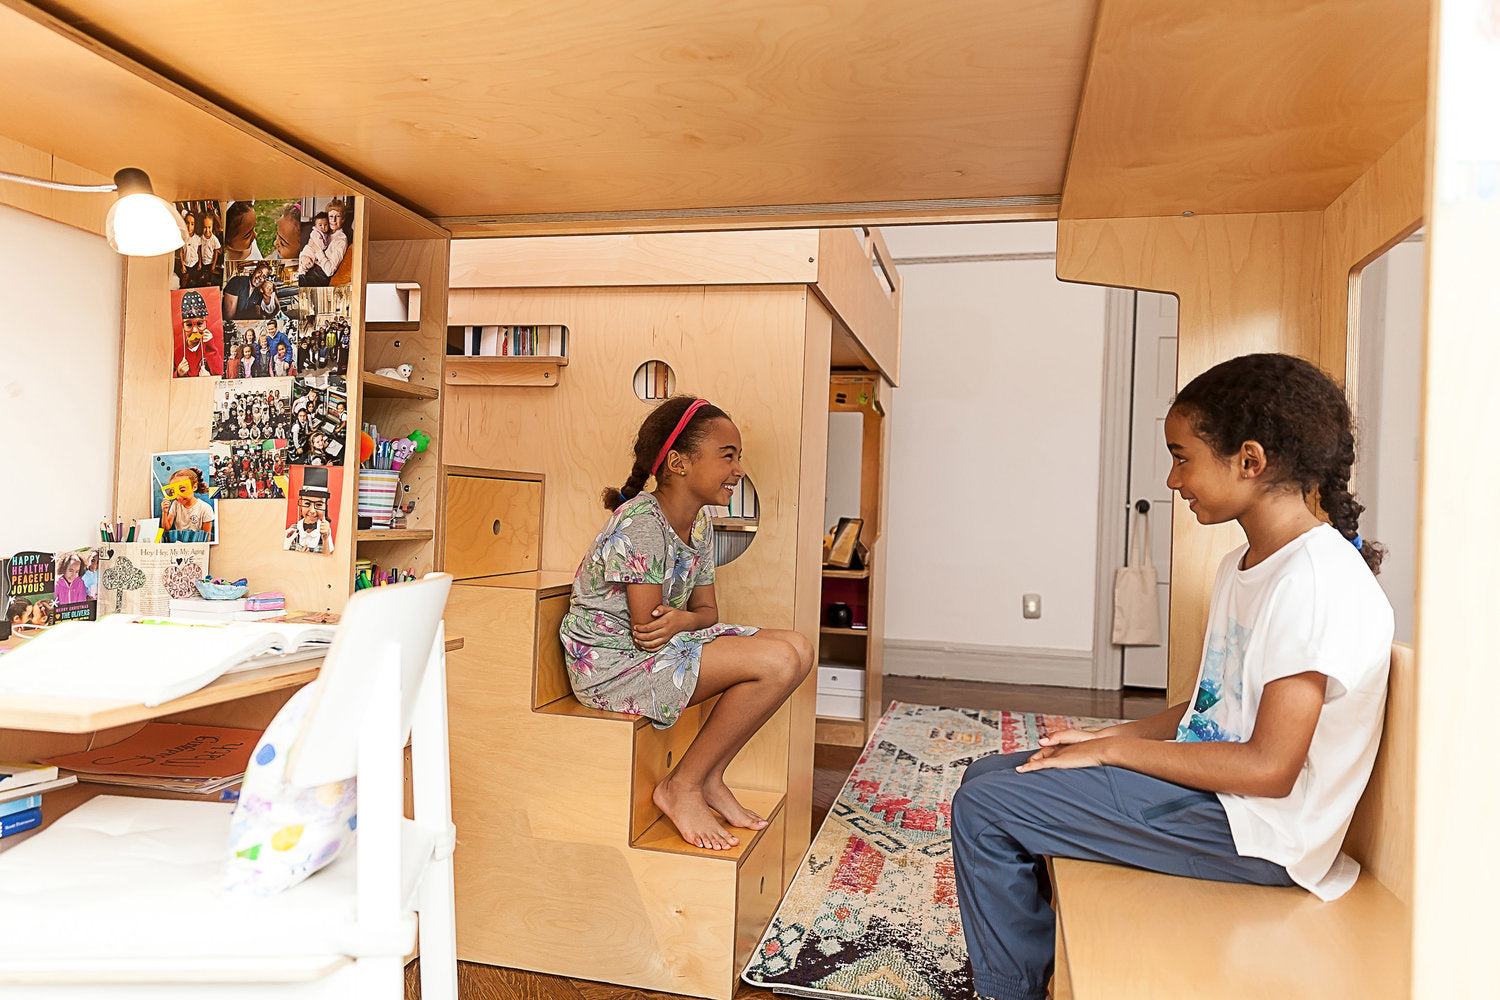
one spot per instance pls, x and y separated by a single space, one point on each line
663 836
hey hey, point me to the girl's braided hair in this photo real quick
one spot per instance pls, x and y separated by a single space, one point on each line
1300 417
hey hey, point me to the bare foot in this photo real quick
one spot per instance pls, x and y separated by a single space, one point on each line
718 795
688 811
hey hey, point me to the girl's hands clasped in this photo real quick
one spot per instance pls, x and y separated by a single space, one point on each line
666 621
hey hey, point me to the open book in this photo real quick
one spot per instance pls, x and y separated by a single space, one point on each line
148 661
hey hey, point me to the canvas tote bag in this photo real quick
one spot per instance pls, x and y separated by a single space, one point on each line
1137 614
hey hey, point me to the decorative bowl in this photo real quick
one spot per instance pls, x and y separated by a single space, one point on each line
221 591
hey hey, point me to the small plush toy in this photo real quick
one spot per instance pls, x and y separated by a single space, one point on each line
401 450
402 372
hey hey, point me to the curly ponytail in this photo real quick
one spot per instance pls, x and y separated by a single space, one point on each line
659 423
639 473
1301 418
1339 504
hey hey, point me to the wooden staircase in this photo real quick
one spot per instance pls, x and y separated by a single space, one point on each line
564 865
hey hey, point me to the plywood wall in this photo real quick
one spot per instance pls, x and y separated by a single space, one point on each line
1244 283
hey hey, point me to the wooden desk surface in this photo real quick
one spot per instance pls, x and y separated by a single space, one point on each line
86 715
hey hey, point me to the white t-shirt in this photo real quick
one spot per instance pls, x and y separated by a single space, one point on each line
194 517
1313 605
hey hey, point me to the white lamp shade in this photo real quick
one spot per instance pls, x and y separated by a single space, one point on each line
143 225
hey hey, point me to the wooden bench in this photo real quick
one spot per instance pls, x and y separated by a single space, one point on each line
1125 933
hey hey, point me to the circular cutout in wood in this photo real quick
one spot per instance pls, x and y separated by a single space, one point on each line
654 380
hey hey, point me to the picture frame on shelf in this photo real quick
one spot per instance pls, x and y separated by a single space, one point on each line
845 538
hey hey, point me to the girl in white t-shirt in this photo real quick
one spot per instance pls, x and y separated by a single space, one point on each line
1256 777
182 506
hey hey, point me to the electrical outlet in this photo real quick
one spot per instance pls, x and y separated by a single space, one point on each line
1031 605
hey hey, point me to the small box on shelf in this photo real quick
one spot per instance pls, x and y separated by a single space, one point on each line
841 691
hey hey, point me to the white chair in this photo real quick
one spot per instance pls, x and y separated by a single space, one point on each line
121 897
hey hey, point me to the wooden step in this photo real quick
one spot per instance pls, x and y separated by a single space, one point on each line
663 836
656 752
569 705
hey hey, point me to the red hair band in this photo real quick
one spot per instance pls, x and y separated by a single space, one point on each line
687 415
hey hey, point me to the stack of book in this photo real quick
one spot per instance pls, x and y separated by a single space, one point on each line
256 607
21 788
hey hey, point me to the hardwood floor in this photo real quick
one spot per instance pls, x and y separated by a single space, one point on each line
831 766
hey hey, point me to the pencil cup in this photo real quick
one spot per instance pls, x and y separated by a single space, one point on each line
377 495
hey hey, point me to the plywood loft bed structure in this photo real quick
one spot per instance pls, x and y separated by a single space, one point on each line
754 321
1247 158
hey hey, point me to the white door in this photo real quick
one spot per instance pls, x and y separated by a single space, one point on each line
1153 386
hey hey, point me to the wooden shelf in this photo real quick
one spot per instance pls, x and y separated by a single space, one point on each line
736 523
839 732
392 327
393 535
385 387
831 573
844 631
663 836
464 370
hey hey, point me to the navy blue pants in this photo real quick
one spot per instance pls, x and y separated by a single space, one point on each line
1005 824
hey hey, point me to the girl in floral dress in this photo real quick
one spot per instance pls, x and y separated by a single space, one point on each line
642 634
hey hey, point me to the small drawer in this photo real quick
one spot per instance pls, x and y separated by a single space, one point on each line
758 891
841 706
840 680
492 527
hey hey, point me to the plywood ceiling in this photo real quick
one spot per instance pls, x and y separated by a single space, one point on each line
1271 106
474 108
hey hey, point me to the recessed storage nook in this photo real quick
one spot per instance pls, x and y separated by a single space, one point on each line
554 797
853 596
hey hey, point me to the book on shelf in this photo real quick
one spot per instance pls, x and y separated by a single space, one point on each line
20 822
22 804
20 775
743 503
534 341
168 756
30 791
147 661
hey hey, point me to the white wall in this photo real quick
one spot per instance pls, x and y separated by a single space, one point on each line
994 454
59 381
1388 421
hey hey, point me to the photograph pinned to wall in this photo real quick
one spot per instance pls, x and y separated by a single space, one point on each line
183 497
319 420
324 333
239 232
254 409
312 508
323 257
263 349
278 228
250 470
199 262
257 290
197 334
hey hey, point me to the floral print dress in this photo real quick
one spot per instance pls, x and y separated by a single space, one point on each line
606 669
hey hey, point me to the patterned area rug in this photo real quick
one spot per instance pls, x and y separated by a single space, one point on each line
873 911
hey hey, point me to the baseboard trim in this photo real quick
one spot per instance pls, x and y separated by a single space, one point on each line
960 661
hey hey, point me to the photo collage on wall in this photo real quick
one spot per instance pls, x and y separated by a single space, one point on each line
261 300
